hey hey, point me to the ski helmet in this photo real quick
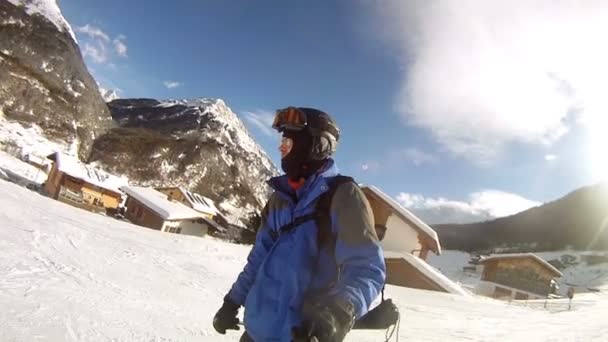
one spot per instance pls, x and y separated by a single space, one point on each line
313 122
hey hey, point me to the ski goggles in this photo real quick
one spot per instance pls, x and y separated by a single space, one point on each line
290 118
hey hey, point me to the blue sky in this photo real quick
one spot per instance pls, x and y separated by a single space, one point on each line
484 109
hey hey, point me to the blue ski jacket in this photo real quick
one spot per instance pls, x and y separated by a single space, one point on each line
284 272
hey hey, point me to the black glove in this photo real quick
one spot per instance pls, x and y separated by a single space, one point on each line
327 323
225 318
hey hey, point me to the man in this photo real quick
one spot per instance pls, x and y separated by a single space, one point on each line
294 287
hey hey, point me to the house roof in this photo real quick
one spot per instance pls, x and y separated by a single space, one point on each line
34 158
407 216
199 202
214 224
158 202
522 256
73 167
429 271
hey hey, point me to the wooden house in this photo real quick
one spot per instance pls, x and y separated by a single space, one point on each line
195 201
153 209
81 185
401 230
516 276
406 241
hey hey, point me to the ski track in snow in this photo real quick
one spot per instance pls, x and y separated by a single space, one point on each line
70 275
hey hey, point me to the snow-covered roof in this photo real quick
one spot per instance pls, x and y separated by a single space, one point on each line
34 158
199 202
522 256
214 224
429 271
73 167
407 216
158 202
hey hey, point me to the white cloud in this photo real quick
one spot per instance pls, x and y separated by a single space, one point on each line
120 47
172 84
370 166
95 45
93 32
481 206
550 157
483 74
262 120
418 157
96 52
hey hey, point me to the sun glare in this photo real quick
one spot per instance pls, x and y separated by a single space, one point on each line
598 145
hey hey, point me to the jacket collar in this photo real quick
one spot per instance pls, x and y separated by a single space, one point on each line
314 186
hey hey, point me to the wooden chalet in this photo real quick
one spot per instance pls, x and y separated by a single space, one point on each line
153 209
82 185
516 276
193 200
406 241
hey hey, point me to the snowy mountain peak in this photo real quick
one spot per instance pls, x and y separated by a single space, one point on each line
48 9
108 95
198 144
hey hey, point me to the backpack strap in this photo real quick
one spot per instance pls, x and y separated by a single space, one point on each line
321 215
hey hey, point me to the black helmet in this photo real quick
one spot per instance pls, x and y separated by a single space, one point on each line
316 123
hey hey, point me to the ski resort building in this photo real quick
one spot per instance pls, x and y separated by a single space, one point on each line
406 241
153 209
83 186
516 276
400 230
193 200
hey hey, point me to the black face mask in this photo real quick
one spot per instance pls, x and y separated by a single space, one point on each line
298 164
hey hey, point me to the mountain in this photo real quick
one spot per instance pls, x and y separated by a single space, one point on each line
578 220
44 81
108 95
199 144
49 102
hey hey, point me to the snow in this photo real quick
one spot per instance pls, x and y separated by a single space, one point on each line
430 232
429 271
70 275
49 10
199 202
19 140
13 21
582 276
25 173
88 173
46 66
157 201
108 95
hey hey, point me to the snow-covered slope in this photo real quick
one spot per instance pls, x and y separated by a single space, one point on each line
70 275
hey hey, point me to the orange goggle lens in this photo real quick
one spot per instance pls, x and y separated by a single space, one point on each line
289 118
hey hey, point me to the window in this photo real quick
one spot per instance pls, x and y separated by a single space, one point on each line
178 231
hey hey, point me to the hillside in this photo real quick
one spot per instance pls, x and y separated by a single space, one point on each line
578 220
